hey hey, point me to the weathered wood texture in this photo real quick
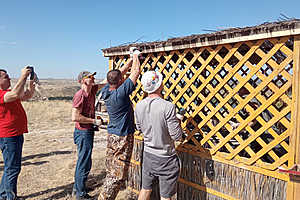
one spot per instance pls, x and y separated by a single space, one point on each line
135 173
232 35
188 192
294 190
222 182
231 181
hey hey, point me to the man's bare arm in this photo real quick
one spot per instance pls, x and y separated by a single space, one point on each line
123 71
77 117
126 67
18 91
29 92
135 69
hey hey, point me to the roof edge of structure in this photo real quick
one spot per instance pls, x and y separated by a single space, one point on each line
266 30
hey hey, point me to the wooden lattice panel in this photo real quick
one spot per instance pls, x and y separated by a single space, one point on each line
237 96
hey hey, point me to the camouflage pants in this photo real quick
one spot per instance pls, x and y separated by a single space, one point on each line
118 155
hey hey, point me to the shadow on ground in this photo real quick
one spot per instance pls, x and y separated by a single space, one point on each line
42 155
94 182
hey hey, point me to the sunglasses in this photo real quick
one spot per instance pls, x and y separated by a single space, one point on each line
89 76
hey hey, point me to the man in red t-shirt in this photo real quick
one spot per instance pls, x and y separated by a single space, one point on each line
13 124
83 113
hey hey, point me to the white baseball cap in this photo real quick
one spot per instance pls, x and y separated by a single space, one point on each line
151 81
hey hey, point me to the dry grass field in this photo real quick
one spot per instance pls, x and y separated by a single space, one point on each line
49 154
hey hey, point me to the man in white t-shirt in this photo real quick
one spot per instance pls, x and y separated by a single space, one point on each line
156 119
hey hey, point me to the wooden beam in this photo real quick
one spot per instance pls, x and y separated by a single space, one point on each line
297 103
206 189
290 32
293 190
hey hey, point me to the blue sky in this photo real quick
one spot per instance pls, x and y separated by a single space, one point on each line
60 38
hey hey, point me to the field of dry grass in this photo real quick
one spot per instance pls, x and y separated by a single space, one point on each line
49 154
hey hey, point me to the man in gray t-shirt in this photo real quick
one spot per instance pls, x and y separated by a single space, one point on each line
156 119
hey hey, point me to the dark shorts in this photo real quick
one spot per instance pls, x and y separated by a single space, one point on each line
166 169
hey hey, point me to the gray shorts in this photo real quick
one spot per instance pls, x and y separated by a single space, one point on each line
166 169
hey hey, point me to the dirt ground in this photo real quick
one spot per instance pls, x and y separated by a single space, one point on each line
49 154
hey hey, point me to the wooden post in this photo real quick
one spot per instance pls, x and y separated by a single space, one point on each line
293 190
110 63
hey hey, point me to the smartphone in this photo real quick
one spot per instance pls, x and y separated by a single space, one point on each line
32 72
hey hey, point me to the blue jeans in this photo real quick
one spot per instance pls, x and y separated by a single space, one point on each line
11 148
84 140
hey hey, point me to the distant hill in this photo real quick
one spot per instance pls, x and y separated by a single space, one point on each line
55 89
60 89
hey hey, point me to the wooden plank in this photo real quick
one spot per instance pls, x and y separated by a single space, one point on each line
270 34
205 189
293 189
110 63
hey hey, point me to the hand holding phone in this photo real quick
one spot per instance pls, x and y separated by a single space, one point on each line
32 72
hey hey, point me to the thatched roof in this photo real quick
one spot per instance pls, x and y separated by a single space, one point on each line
265 30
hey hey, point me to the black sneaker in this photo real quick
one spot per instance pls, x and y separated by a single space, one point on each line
84 197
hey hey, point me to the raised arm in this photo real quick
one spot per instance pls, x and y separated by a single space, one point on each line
135 69
18 91
123 70
29 92
125 67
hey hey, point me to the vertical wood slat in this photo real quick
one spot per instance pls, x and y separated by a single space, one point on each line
228 182
293 190
110 63
297 89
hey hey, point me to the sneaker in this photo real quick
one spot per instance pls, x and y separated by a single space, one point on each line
16 198
19 198
74 191
84 197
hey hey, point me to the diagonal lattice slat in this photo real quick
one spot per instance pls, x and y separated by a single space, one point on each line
237 97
